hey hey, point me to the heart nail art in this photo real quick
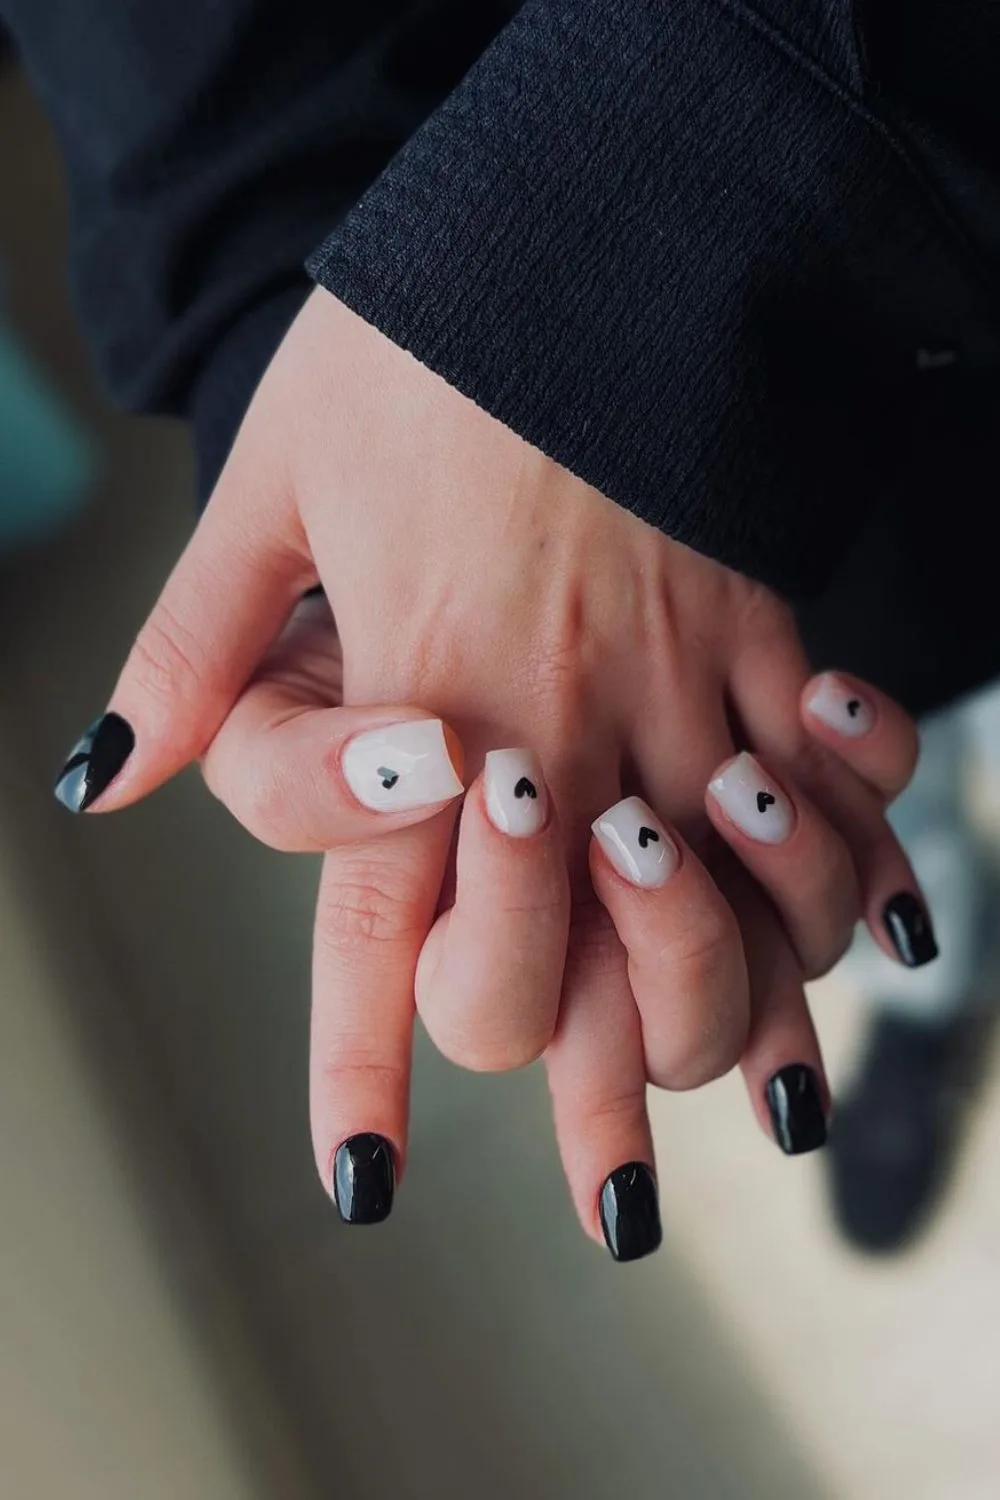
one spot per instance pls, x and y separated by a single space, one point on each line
515 795
643 853
389 777
854 707
838 706
402 766
750 799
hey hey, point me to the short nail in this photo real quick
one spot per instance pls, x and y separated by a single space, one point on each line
840 707
630 1212
752 801
364 1179
636 843
908 923
796 1105
94 762
516 798
402 766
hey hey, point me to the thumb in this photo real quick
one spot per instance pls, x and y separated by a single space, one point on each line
225 602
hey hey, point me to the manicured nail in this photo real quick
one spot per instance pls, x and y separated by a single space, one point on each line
413 764
364 1179
796 1104
94 762
840 707
630 1212
752 801
637 843
516 799
908 923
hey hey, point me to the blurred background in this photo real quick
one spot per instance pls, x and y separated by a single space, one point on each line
181 1313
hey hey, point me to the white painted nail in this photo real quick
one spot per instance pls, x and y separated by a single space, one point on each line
752 801
637 843
841 707
516 799
401 766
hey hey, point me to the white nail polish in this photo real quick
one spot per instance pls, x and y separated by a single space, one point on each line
840 707
752 801
637 843
516 799
401 766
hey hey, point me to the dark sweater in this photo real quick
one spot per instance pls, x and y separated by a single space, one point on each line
735 265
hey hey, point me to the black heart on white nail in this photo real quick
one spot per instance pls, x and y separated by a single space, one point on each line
764 801
389 777
648 836
525 788
854 707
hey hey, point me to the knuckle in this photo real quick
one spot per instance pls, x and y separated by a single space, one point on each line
167 659
697 1053
706 1035
365 907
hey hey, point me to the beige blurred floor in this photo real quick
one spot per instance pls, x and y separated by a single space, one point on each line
476 1345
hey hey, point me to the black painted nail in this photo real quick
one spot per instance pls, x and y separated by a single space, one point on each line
630 1212
364 1179
94 762
908 923
796 1104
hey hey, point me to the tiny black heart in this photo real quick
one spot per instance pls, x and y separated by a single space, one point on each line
854 707
525 788
389 777
648 836
764 801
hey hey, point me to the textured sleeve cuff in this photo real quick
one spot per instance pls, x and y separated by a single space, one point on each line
671 249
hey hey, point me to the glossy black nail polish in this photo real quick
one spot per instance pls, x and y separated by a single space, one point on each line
364 1179
94 762
908 923
630 1212
796 1104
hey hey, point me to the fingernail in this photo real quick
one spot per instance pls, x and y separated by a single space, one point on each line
752 801
908 923
94 762
637 843
796 1105
401 766
840 707
516 798
364 1179
630 1212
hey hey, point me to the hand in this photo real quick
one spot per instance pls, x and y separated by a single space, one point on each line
473 576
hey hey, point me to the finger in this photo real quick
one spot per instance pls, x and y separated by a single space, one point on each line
597 1080
805 867
224 603
376 904
782 1064
303 778
490 973
685 957
868 731
767 688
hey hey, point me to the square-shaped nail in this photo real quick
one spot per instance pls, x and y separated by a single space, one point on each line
517 801
753 801
94 762
636 843
364 1179
402 766
837 704
630 1212
909 925
796 1108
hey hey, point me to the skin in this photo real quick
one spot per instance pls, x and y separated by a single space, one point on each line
473 579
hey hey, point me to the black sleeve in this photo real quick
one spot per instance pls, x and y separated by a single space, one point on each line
209 145
671 244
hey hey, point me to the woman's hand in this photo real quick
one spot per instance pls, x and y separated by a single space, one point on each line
474 577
